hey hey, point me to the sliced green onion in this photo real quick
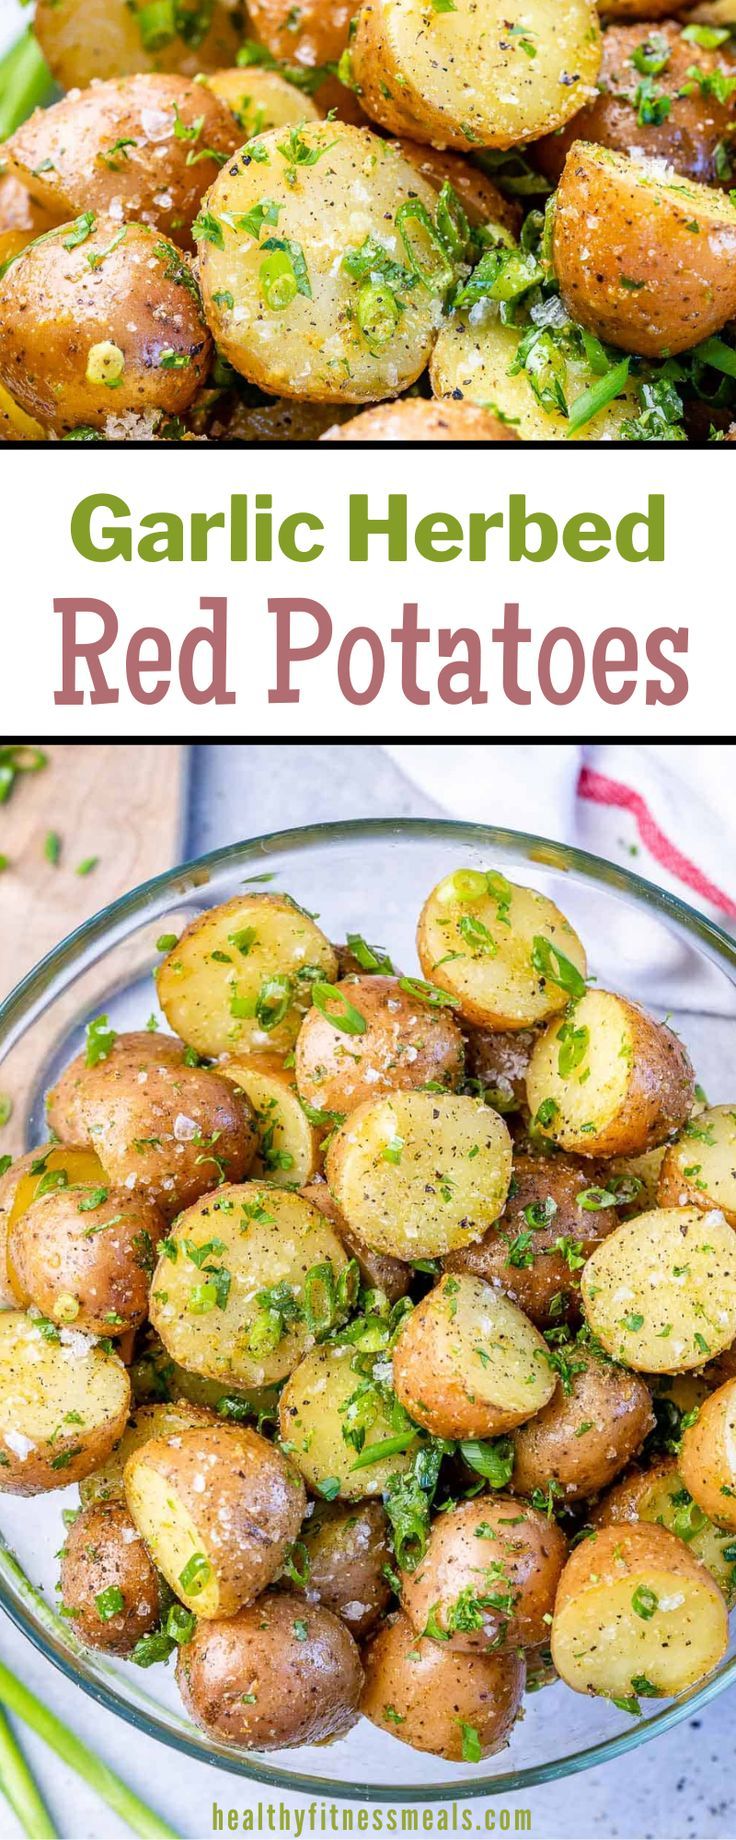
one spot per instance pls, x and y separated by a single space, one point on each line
597 397
425 252
716 353
552 964
377 313
334 1006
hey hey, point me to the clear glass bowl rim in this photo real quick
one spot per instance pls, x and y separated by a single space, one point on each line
21 1006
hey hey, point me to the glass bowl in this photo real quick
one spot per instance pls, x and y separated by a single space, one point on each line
369 876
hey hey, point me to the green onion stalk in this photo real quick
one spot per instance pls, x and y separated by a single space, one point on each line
19 1788
19 1700
26 83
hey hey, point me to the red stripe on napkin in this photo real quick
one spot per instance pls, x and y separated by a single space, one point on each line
603 791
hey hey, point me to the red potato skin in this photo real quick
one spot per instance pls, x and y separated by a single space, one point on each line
617 1408
54 1248
538 1288
403 1046
153 184
103 1552
421 1694
685 283
707 1460
300 1691
695 125
118 1109
412 419
530 1550
378 1270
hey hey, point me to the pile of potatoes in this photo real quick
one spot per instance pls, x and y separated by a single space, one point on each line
248 229
387 1324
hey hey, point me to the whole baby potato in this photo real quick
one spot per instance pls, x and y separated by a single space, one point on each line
694 126
366 1036
84 1256
595 1422
462 1707
644 259
488 1577
217 1506
121 149
413 419
85 39
278 1674
344 1550
291 273
161 1126
554 1216
109 1586
98 319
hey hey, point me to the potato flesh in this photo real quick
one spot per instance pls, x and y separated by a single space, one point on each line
261 99
213 1004
660 1292
171 1534
106 1482
474 358
314 347
594 1092
449 1181
662 1503
268 1237
702 1165
467 79
313 1418
85 39
78 1163
491 938
41 1382
601 1645
468 1363
288 1146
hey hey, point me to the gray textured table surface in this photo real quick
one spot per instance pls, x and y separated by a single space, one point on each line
684 1784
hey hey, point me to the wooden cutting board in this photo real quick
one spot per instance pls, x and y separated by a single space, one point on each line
123 804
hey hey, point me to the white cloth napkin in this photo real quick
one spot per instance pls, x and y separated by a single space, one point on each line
668 812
